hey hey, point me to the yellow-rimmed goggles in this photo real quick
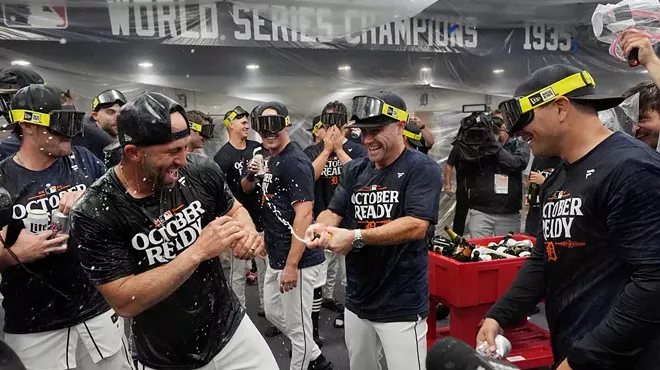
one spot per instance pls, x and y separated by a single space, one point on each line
205 130
235 113
412 136
64 122
317 127
270 124
519 112
365 107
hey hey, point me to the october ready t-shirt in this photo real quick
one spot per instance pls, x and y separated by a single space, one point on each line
289 179
389 283
325 186
61 296
121 236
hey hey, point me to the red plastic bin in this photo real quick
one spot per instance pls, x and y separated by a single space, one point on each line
469 290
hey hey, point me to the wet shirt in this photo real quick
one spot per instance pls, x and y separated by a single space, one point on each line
289 179
597 259
389 283
234 164
61 295
325 186
121 236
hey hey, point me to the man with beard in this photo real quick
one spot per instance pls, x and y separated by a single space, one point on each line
233 159
100 130
149 235
55 318
328 156
201 129
648 127
293 270
390 200
597 258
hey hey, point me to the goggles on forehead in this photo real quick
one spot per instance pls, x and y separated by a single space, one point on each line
365 107
270 124
410 135
64 122
204 130
519 112
237 112
108 97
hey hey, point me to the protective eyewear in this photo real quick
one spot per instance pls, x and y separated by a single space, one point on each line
317 126
334 119
270 124
236 113
64 122
204 130
365 107
108 97
412 136
519 112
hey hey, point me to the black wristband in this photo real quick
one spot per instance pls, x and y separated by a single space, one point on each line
422 127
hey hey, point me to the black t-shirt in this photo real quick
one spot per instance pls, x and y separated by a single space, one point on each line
544 165
121 236
597 259
9 146
234 163
325 186
289 179
93 138
389 283
30 304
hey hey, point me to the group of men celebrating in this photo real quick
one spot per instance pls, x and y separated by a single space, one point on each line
147 230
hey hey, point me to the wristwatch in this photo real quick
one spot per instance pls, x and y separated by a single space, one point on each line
358 242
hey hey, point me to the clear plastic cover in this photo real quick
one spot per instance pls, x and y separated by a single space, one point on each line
623 117
610 20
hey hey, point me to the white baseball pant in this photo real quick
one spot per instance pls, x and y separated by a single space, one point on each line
95 344
237 278
246 350
336 266
291 312
404 343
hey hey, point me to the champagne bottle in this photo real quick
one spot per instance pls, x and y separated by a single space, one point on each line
534 194
463 247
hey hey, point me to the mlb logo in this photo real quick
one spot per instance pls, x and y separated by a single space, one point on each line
167 215
35 16
374 187
51 190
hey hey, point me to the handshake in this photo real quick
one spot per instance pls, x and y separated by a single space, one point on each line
334 239
225 233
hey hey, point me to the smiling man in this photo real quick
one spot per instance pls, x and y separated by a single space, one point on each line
150 232
390 202
597 256
201 130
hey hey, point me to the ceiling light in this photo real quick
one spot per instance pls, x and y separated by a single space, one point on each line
498 71
425 69
252 66
146 64
20 63
344 68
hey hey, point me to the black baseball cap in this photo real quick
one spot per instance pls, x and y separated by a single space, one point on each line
14 78
375 118
413 130
146 120
587 95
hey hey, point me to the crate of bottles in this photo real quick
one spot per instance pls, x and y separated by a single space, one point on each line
458 284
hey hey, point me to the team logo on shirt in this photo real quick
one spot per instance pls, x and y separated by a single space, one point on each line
332 170
173 231
559 213
373 205
47 199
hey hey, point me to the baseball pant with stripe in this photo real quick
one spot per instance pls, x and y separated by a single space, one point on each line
404 343
95 344
291 312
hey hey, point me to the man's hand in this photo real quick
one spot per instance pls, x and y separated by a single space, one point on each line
631 39
564 366
217 236
338 139
318 235
341 240
536 177
68 199
448 189
487 333
289 278
417 121
249 246
329 141
31 247
253 167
